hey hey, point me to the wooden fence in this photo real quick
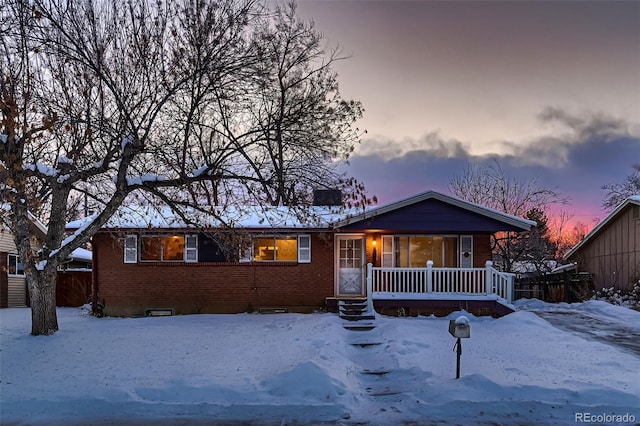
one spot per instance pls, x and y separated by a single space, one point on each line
73 288
567 287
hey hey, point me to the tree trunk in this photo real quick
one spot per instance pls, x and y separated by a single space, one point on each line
42 292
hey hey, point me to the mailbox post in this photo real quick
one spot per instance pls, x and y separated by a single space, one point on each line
460 329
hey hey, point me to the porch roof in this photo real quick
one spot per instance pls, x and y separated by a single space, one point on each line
435 212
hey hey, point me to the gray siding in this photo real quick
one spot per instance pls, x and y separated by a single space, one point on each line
17 293
6 241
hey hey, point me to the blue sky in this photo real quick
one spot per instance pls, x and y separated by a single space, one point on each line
550 89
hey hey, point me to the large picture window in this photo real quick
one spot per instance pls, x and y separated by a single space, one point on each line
415 251
285 248
162 249
159 248
14 267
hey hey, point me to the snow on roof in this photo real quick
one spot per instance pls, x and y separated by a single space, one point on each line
37 223
524 267
563 268
282 217
256 217
81 254
634 199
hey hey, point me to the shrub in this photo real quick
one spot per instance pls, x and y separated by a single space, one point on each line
630 298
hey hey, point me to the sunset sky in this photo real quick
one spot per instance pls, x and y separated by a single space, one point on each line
551 89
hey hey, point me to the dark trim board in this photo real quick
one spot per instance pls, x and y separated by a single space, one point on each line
440 308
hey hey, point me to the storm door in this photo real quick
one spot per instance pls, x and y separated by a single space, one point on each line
350 255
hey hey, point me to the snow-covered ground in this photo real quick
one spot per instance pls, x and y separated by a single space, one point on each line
292 369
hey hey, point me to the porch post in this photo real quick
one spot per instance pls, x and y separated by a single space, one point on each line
430 276
488 281
510 280
370 287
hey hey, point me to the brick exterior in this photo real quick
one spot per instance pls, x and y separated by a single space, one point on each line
481 250
226 287
229 287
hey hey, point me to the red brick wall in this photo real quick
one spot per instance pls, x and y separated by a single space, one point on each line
4 280
481 250
129 289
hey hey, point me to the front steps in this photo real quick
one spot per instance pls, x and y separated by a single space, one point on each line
368 350
354 310
356 314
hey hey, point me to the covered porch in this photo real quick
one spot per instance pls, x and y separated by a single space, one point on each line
439 291
430 282
427 254
432 290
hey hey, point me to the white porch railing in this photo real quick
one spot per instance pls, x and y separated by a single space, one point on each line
416 281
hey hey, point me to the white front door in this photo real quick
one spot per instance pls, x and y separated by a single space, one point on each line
350 265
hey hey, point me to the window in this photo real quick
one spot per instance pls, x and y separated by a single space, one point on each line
131 249
162 249
415 251
191 248
387 251
283 248
14 267
304 248
207 248
156 248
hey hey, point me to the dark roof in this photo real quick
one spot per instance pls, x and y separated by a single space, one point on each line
435 212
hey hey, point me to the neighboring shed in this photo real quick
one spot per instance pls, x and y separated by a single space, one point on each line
611 251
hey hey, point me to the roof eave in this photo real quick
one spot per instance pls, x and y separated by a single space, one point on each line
523 224
601 225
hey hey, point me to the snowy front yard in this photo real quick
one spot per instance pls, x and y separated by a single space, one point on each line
290 368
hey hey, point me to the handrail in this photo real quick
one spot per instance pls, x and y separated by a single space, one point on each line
468 281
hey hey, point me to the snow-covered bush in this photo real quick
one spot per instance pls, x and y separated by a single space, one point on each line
630 298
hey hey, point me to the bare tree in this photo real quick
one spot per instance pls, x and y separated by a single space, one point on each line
617 192
565 233
489 186
135 102
291 120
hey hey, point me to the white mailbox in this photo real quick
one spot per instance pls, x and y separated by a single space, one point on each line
459 327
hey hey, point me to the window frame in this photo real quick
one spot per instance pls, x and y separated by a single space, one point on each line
130 248
397 246
133 248
16 263
191 249
303 254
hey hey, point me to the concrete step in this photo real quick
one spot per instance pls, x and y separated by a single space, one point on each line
362 317
359 325
376 372
365 344
358 303
382 391
353 312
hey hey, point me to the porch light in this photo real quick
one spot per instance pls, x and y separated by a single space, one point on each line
375 250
